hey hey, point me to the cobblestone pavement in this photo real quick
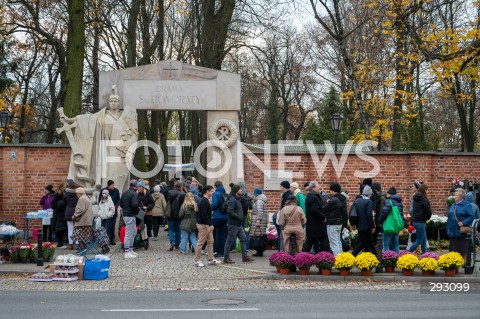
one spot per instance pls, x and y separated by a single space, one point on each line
158 269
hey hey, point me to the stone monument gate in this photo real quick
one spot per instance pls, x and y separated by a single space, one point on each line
172 85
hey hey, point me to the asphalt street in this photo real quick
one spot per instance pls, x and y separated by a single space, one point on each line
244 304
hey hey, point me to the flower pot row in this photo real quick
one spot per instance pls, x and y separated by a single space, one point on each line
428 263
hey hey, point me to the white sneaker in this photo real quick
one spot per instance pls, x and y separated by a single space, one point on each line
62 247
155 238
129 255
214 262
198 263
133 253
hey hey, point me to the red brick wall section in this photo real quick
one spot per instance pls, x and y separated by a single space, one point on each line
23 178
397 169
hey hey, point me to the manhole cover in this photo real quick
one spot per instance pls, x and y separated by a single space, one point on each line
224 301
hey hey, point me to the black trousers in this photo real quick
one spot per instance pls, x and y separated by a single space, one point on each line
157 221
149 223
47 233
318 243
364 242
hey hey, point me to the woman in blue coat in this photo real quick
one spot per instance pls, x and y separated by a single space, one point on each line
459 214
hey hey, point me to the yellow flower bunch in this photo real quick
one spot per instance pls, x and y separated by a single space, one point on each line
344 261
452 260
408 262
366 261
428 264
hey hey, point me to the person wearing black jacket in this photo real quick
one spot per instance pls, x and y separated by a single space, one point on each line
146 203
234 225
110 223
334 212
420 214
286 192
71 199
129 205
59 224
205 228
365 225
316 227
175 198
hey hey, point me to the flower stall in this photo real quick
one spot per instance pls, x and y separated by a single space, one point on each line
436 227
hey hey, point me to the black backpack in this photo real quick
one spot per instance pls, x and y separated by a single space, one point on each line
353 216
223 202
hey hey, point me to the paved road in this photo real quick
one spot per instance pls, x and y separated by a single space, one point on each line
277 305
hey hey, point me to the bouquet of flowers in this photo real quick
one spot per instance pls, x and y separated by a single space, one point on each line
428 264
272 236
33 253
24 253
450 261
344 261
324 260
389 258
366 261
48 250
284 260
407 261
304 260
428 255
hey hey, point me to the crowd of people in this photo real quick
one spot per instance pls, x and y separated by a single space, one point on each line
207 220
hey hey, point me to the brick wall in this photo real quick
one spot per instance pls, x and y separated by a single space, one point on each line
398 169
23 178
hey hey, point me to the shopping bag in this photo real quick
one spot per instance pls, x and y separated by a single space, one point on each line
96 269
393 224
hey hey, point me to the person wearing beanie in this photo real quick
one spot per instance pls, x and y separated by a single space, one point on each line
146 204
46 203
82 218
174 199
300 197
334 212
365 224
158 211
285 189
292 219
219 218
110 223
129 205
471 199
235 225
378 198
391 241
259 220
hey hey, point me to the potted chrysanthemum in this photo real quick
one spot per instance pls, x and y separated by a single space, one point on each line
325 261
304 261
429 255
450 263
389 260
273 260
428 266
285 262
344 262
365 262
407 263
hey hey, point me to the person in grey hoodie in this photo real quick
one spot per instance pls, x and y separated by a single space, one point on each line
471 199
259 217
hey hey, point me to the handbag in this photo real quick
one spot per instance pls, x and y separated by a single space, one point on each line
463 229
258 241
168 210
353 216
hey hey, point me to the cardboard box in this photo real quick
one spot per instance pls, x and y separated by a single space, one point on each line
79 274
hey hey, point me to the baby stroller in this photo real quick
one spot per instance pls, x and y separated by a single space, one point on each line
141 238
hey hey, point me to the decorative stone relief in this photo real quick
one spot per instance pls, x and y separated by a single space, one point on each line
225 131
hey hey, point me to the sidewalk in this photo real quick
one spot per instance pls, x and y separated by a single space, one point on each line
159 269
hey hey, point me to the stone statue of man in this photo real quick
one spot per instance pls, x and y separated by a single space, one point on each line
100 144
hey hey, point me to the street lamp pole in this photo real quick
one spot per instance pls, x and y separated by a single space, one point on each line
336 120
4 121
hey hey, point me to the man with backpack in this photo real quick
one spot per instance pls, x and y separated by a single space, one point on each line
219 218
